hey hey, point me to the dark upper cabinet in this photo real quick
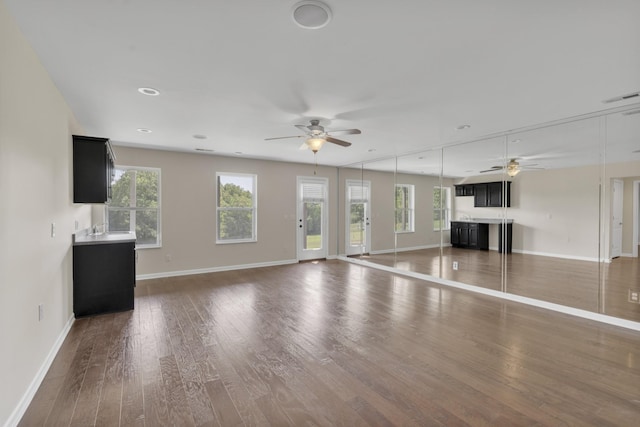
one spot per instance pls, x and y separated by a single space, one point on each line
464 190
481 195
495 194
93 169
487 194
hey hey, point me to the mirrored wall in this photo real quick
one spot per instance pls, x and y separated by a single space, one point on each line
548 212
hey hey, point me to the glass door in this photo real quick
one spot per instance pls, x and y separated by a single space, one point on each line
312 218
358 219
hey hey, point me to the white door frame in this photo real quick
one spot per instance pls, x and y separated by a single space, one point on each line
636 215
308 254
361 249
617 206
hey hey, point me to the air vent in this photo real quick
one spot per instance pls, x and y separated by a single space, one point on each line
622 98
205 150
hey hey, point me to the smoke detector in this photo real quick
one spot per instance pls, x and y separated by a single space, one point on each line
311 14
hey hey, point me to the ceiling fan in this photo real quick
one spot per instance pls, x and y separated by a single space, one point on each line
316 136
512 168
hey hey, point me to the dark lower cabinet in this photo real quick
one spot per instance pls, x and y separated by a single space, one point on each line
104 276
470 235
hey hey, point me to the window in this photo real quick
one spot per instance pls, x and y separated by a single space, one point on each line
404 208
441 208
135 204
236 207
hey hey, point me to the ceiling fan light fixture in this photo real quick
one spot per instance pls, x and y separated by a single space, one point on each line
513 170
311 14
315 144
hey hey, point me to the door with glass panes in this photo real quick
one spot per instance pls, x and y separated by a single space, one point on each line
312 221
358 217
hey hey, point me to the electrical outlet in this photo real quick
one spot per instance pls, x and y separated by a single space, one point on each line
455 265
40 312
634 296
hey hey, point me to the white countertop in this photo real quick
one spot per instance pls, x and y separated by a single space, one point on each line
486 220
84 238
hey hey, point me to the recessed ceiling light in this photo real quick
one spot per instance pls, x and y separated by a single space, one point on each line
311 14
463 127
198 136
238 152
144 130
149 91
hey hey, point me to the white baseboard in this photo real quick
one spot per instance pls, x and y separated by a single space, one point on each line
407 249
24 402
603 318
627 255
577 258
214 269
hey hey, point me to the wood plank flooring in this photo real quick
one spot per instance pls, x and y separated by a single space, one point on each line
573 283
336 344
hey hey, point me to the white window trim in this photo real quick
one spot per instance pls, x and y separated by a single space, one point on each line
254 199
159 208
448 209
411 209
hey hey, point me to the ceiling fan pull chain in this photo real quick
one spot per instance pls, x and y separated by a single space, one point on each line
315 159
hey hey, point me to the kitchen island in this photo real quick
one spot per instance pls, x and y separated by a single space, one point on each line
474 233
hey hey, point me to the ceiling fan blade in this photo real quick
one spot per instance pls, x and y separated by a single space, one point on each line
338 141
304 146
493 169
285 137
345 132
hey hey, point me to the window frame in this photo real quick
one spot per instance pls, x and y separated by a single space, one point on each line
443 212
158 210
253 208
410 209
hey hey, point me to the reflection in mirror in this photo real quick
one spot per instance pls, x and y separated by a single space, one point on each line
475 256
621 217
555 208
415 222
562 225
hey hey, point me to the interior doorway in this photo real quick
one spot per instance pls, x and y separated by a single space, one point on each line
616 218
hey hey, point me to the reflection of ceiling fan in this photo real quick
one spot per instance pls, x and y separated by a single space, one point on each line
512 168
316 136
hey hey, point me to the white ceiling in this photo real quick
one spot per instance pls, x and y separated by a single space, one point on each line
406 73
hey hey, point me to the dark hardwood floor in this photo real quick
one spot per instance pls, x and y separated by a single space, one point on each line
573 283
333 343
